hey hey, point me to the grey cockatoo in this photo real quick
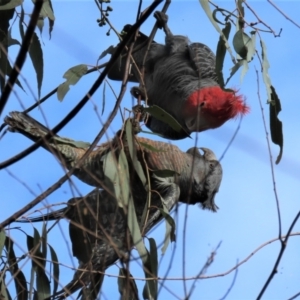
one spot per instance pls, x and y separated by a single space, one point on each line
180 78
190 168
190 178
99 233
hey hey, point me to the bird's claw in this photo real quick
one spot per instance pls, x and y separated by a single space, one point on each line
139 113
161 18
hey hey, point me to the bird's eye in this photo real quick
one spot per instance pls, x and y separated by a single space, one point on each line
202 104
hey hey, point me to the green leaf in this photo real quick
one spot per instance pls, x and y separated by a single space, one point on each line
163 116
109 50
55 268
2 240
4 295
251 46
44 243
133 152
73 75
47 10
16 273
241 41
40 24
12 41
123 181
234 70
11 4
206 8
244 69
275 123
43 285
220 54
265 68
150 288
36 55
103 98
135 231
8 70
127 286
170 228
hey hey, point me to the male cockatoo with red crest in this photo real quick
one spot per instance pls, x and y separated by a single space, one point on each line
180 78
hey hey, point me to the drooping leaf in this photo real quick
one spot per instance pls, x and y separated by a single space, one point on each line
11 4
133 152
40 24
51 21
2 240
251 46
8 70
109 50
150 288
163 116
234 70
135 231
241 43
275 123
127 286
42 285
103 98
4 294
206 8
12 41
244 69
5 17
72 76
170 228
44 243
123 179
220 54
265 69
16 273
55 268
37 258
36 55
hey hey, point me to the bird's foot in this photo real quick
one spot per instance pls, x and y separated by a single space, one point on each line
139 113
161 18
138 93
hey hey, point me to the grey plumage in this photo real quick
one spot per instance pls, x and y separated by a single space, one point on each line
180 78
192 178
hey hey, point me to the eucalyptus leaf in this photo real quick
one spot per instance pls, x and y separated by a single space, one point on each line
72 76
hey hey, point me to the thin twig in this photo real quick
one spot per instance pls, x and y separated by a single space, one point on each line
283 247
287 17
261 21
271 158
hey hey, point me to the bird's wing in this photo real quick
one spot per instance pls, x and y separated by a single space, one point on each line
140 46
204 60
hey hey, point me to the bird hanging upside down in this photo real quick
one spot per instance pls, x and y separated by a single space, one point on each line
98 227
180 78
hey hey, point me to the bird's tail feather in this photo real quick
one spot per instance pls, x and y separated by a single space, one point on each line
55 215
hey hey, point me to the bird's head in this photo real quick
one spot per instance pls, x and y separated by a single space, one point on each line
211 107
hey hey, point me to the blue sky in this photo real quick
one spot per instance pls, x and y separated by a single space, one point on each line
247 217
